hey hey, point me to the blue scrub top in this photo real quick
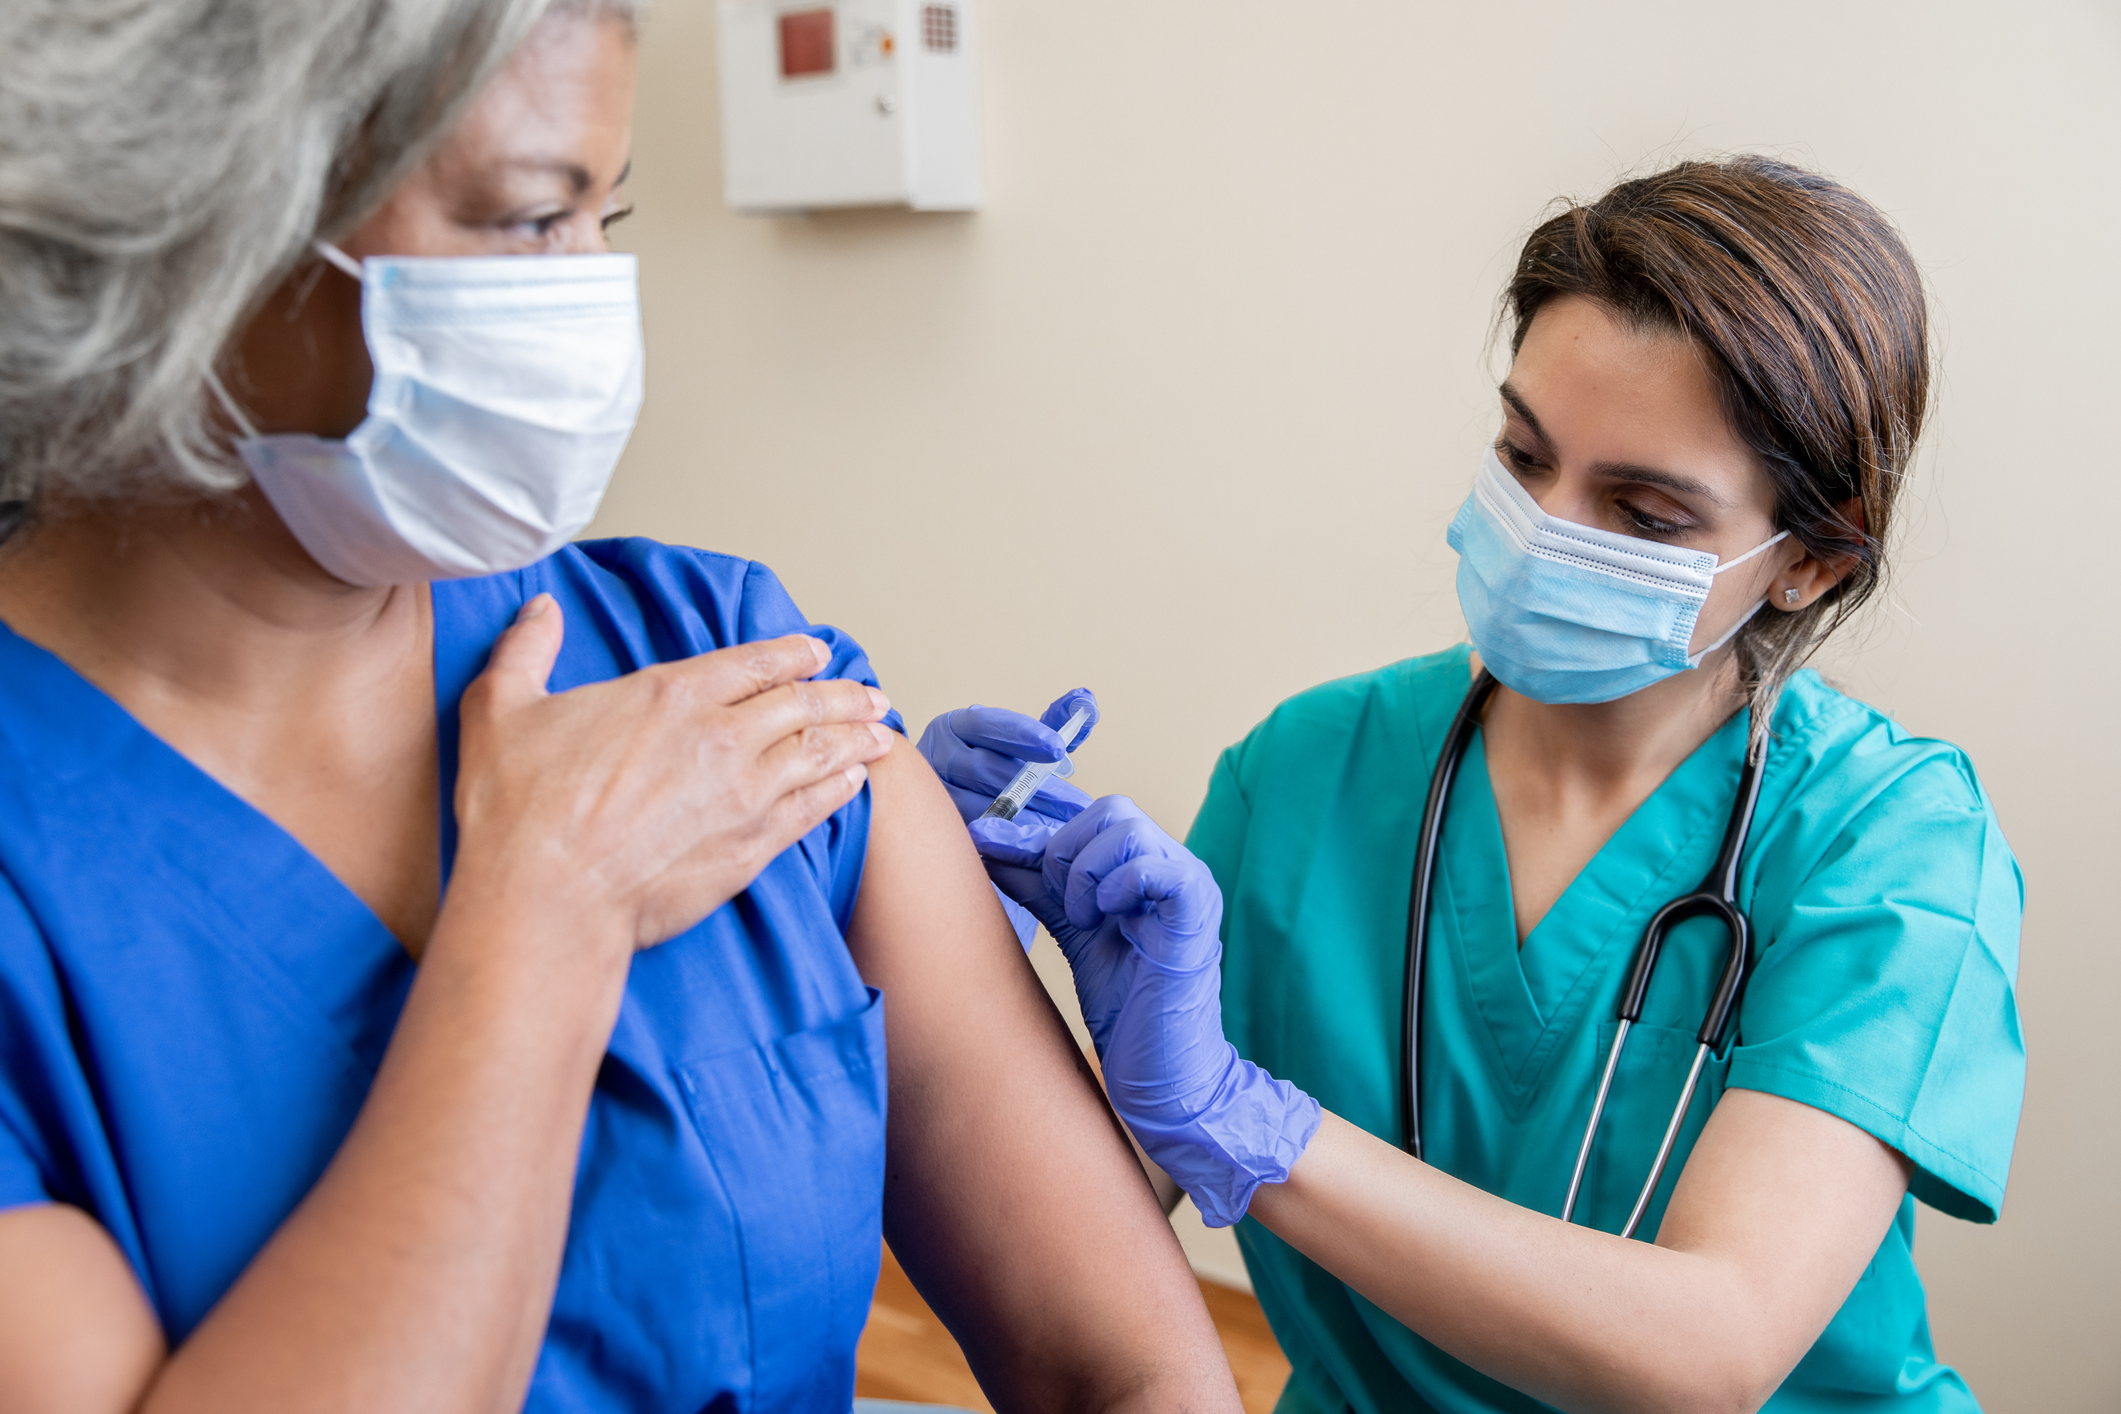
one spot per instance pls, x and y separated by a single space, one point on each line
1885 907
192 1010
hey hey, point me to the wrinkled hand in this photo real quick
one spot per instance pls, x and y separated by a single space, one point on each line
1139 919
638 806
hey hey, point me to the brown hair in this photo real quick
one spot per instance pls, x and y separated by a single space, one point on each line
1811 312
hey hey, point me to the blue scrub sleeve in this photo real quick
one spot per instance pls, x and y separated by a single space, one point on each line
28 1010
767 611
1887 993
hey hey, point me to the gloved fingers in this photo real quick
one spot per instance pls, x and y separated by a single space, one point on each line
1007 733
1077 834
1064 707
1169 908
1021 921
1021 842
1028 891
970 804
972 768
1123 832
1057 800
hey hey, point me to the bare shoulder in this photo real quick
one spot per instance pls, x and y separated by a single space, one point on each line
926 917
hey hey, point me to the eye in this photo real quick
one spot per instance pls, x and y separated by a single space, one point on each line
1516 458
612 218
539 227
1645 522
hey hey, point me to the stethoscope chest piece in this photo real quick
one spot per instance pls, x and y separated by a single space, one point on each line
1716 898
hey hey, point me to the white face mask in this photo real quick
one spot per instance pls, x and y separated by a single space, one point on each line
505 389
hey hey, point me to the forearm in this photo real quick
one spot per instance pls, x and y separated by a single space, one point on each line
1581 1319
418 1273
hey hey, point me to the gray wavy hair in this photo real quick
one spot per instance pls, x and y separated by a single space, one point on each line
164 164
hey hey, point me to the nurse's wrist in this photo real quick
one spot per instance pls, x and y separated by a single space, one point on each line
1247 1130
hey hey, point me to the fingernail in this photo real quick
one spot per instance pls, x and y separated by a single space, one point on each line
883 734
856 775
537 605
878 702
819 651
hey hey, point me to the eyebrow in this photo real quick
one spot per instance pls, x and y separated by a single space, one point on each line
1618 471
576 174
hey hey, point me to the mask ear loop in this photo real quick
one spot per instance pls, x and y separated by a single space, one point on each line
236 415
1695 660
1774 539
333 255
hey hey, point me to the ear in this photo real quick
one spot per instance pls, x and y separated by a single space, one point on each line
1814 575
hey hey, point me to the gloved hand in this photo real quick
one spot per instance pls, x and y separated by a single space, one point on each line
977 751
1138 918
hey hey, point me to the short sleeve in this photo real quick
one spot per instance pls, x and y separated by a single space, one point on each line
1886 992
767 611
839 848
26 1007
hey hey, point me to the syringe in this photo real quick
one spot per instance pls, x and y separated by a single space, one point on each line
1026 782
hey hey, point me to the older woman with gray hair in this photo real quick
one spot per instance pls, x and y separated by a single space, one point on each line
441 966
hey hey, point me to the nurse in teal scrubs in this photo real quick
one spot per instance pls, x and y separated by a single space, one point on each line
1719 373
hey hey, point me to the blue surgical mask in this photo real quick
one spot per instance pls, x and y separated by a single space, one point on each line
1568 613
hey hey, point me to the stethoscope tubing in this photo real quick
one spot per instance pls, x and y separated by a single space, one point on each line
1717 897
1425 846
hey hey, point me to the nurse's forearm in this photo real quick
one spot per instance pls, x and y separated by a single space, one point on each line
418 1274
1774 1218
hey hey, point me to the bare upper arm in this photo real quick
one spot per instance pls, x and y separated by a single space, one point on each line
1793 1202
1011 1196
76 1333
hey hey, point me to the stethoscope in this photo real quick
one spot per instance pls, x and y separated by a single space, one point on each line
1716 898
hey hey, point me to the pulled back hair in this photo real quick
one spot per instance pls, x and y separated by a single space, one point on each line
1809 311
164 165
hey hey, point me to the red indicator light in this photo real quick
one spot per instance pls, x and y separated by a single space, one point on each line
806 43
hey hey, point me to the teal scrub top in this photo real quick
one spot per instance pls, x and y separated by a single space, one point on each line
1885 906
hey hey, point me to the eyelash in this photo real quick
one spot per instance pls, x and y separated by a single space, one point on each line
1524 463
1649 523
617 216
1521 461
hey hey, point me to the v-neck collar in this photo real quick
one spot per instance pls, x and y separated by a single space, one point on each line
1531 998
255 889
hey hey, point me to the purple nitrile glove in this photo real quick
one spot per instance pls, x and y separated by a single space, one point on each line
977 750
1137 917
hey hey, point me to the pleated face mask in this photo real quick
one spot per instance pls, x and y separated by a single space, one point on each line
1562 612
505 389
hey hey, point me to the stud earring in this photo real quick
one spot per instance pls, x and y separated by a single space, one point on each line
1791 596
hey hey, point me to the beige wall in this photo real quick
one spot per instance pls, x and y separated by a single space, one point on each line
1182 414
